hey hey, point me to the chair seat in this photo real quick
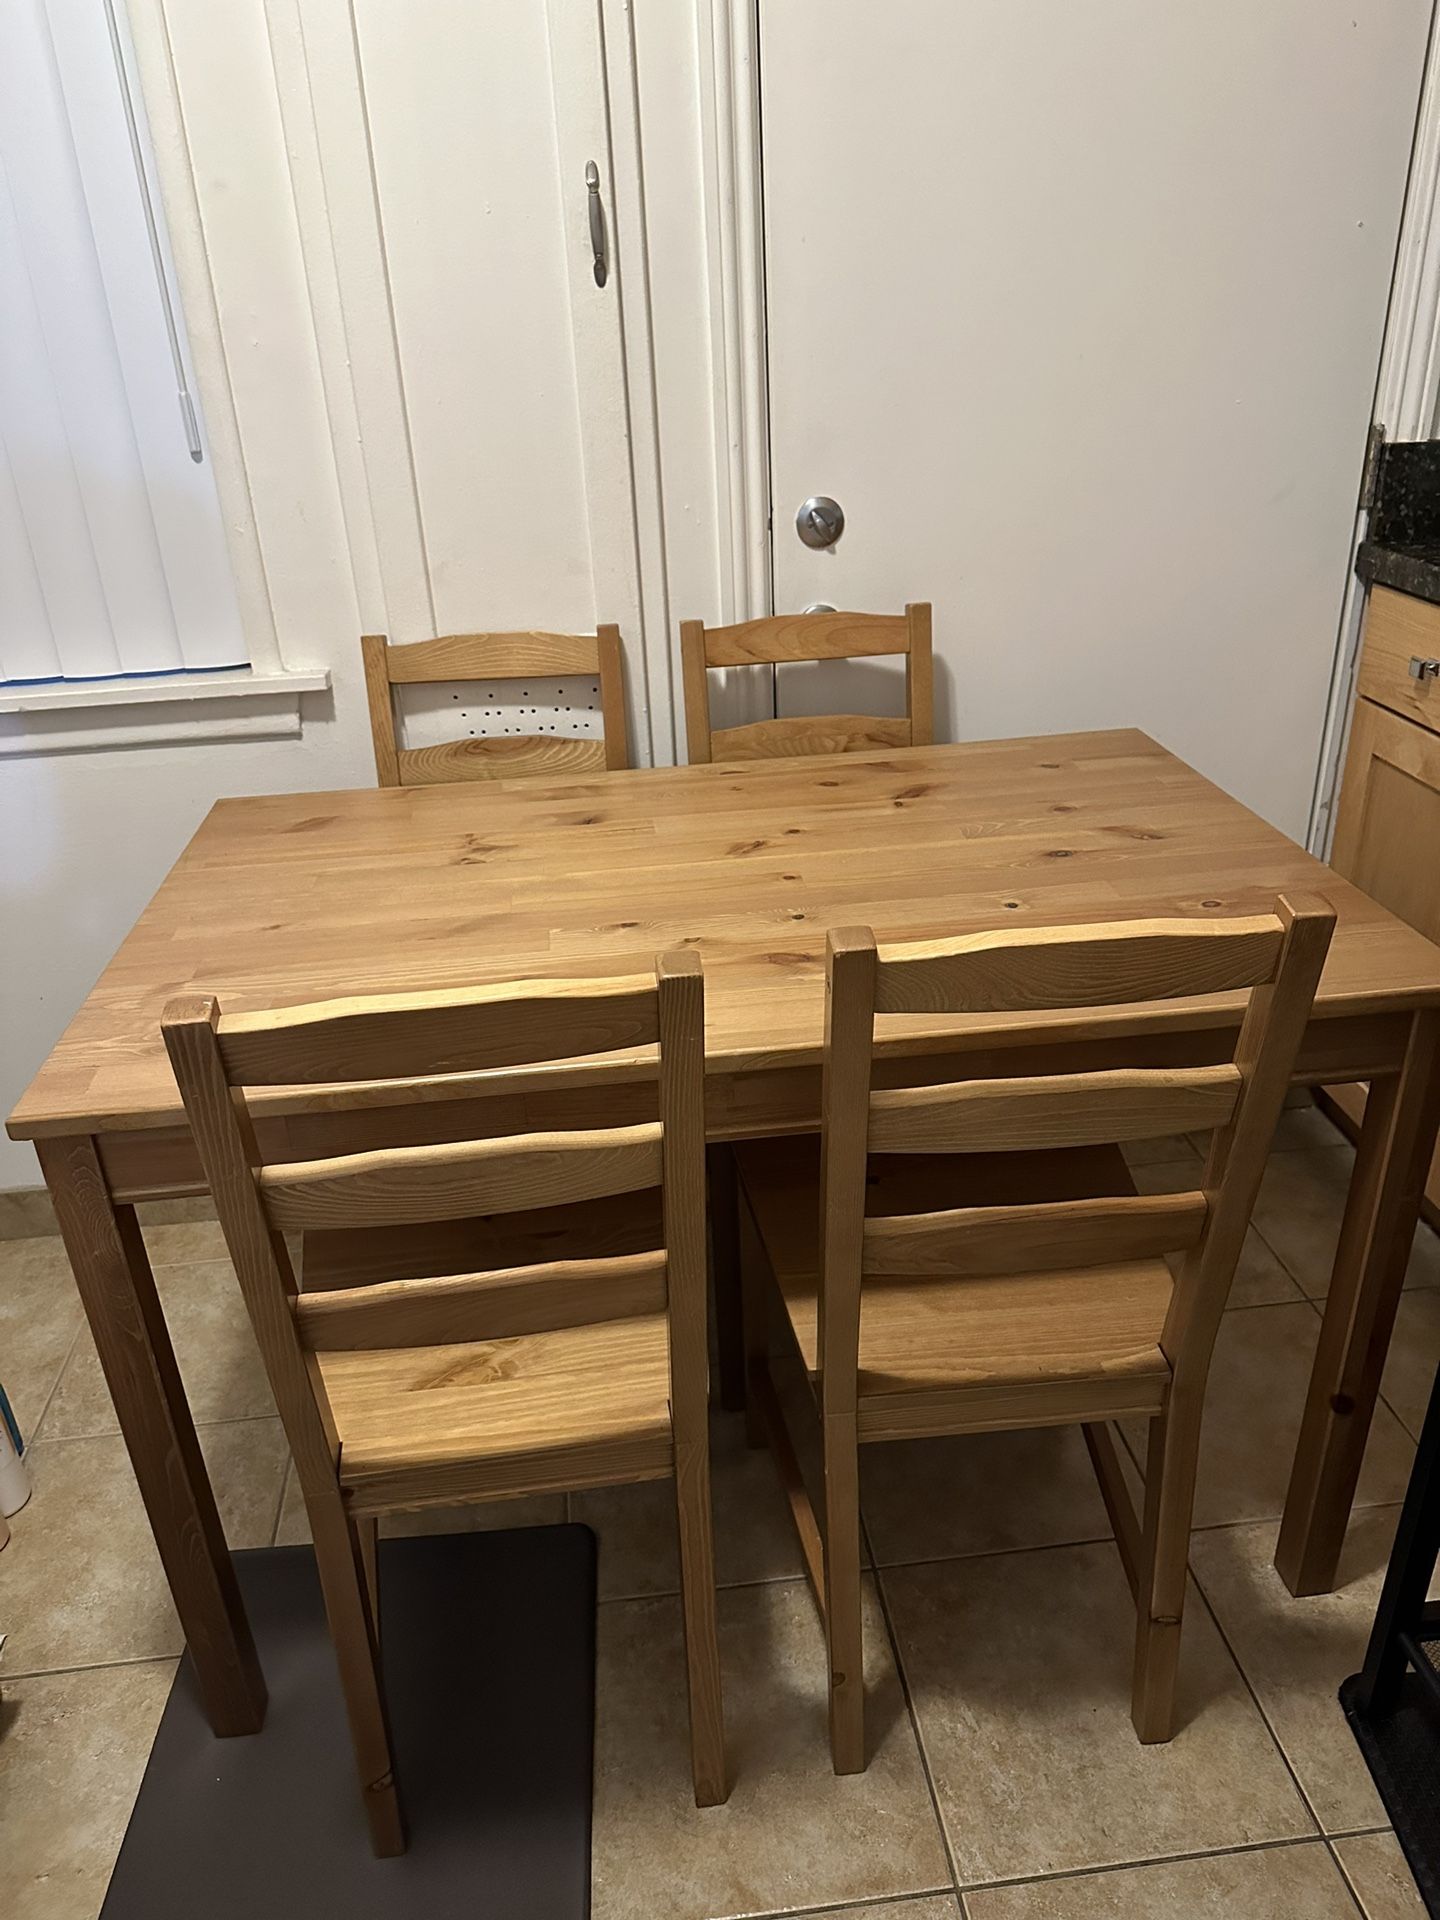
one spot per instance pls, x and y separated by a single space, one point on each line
425 1426
580 1406
956 1355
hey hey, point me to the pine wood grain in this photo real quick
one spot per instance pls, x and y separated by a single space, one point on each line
494 656
1053 1110
447 1182
500 1305
788 638
302 897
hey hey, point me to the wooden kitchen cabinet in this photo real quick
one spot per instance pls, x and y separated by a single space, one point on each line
1387 827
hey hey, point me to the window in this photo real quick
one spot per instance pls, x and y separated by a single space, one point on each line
112 550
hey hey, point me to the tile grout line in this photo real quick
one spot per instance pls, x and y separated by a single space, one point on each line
861 1904
60 1372
1265 1720
91 1666
1345 1880
1151 1860
908 1697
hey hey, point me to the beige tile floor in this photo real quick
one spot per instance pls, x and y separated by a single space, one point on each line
1005 1783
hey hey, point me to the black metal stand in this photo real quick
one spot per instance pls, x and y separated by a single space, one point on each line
1393 1703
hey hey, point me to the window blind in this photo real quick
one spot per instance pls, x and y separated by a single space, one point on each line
112 549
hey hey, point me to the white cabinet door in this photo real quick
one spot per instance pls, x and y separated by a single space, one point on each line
486 364
1076 309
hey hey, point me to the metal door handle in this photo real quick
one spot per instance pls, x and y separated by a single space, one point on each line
1424 669
597 224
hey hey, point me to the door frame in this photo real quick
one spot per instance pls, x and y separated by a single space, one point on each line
1407 407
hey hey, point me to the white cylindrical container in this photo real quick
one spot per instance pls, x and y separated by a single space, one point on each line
14 1477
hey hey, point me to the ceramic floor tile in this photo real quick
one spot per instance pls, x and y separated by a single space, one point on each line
1273 1883
1295 1652
543 1510
792 1834
168 1213
1019 1671
40 1315
220 1363
82 1580
1260 1278
26 1212
979 1493
1301 1200
179 1243
635 1525
1382 1881
1258 1380
938 1906
1413 1357
73 1747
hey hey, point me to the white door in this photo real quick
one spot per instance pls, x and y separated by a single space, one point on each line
486 362
1076 310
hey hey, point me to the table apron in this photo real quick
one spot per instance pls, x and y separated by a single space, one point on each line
160 1162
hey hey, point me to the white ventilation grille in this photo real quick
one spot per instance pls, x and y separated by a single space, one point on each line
479 709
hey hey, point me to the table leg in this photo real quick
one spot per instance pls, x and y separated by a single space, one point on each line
724 1196
117 1288
1391 1162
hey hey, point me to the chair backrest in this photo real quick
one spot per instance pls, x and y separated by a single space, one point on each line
427 1037
495 656
1276 956
810 637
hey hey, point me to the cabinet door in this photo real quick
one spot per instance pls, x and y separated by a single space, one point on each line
1387 834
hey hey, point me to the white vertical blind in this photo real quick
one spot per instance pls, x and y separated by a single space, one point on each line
112 551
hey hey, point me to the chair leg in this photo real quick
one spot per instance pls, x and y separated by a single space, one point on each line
843 1635
340 1558
697 1600
1171 1458
367 1536
754 1315
722 1181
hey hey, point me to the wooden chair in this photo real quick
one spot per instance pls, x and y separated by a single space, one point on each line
915 1274
495 656
808 637
449 1384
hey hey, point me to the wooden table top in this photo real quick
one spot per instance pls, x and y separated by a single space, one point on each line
293 897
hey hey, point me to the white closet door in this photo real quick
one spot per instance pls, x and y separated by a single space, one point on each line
1076 310
487 363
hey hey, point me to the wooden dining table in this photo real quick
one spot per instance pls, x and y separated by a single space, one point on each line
287 898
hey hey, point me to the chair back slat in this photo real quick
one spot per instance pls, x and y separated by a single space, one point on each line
470 1186
1276 957
787 639
1052 1110
806 636
398 1184
819 733
1060 967
448 1310
499 757
969 1242
495 656
425 1035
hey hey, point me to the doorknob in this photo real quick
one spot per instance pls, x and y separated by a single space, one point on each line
597 223
820 520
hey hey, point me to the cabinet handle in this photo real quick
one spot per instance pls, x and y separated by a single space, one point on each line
597 223
1424 669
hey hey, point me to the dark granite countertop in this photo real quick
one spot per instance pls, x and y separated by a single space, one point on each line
1403 546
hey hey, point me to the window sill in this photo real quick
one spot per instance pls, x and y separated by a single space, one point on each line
59 717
